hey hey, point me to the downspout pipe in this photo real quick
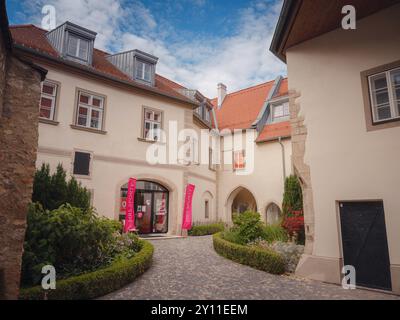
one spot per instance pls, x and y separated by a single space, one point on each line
283 160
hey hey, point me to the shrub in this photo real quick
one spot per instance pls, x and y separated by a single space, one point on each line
247 227
292 197
206 229
97 283
52 191
259 258
274 233
70 239
293 219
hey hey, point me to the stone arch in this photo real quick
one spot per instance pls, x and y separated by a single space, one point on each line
240 199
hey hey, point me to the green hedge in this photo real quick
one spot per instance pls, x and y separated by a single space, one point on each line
261 259
207 229
97 283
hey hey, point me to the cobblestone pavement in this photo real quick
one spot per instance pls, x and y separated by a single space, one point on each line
189 268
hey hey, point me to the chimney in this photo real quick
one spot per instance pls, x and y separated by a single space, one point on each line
221 94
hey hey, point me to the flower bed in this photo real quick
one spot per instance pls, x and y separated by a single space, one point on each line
97 283
258 258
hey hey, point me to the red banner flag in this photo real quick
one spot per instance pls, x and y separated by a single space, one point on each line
129 211
187 208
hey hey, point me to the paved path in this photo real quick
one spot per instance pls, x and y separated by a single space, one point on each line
190 269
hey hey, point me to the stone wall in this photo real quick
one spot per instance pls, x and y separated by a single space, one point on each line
3 55
18 147
301 169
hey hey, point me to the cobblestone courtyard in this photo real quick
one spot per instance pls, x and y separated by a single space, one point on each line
190 269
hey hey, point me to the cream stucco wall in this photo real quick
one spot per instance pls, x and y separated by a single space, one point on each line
346 161
265 182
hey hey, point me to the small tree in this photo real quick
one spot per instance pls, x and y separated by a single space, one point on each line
293 218
52 191
292 197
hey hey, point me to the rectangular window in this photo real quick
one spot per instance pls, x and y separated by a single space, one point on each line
385 95
206 209
239 162
78 47
280 112
90 111
211 161
48 100
143 71
82 163
195 151
206 115
152 124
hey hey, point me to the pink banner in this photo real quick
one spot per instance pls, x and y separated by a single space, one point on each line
130 212
187 209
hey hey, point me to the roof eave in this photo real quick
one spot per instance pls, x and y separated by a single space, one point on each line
99 74
288 13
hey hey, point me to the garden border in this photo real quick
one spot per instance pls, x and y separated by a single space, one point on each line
97 283
261 259
206 229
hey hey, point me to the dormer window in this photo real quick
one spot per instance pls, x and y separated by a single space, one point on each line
280 112
73 42
143 71
78 47
137 65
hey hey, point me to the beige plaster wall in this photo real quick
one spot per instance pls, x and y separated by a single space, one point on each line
346 161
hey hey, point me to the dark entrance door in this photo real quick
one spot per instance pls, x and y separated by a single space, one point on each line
365 244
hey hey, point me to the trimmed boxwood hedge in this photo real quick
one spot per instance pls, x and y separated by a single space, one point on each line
207 229
261 259
96 283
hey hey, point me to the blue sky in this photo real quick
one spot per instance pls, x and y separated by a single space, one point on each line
199 42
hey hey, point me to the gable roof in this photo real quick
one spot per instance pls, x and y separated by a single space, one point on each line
33 40
240 109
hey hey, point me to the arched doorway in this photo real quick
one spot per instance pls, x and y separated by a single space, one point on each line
273 214
241 200
151 206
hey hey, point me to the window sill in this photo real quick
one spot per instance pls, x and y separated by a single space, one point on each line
149 141
81 176
73 126
48 121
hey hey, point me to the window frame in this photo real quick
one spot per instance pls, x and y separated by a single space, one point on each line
79 38
54 99
82 176
371 124
161 122
234 162
285 116
206 209
142 77
90 108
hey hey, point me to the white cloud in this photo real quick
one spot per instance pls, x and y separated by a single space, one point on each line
240 60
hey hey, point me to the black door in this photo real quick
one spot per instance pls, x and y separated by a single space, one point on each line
365 244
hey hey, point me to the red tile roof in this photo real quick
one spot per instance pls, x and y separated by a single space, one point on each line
240 109
274 131
33 37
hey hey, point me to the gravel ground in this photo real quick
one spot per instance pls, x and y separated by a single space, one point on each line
189 268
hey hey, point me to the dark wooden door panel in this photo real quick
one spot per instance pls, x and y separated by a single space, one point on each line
365 243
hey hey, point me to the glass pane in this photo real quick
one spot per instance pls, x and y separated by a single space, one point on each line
72 45
278 111
45 113
156 117
94 120
96 102
286 109
379 82
149 115
84 99
382 97
139 69
160 212
82 120
83 111
83 49
149 186
48 89
384 112
147 75
46 103
396 77
397 94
